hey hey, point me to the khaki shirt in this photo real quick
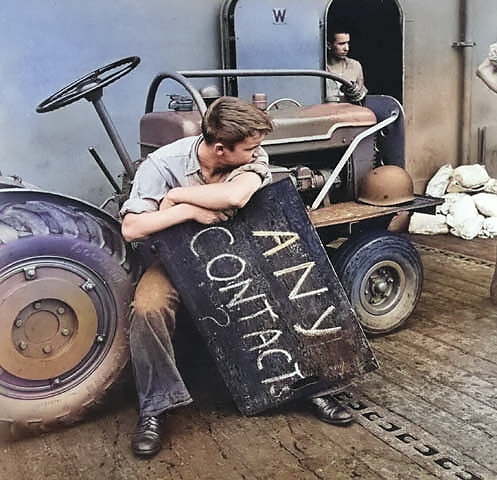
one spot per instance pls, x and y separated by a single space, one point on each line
347 68
177 165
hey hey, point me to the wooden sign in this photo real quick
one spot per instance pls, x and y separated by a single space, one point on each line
267 301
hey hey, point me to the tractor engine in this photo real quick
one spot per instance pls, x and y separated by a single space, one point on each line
306 145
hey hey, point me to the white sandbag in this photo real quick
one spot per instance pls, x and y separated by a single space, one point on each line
438 184
449 200
460 210
426 224
471 176
486 203
469 228
489 228
454 187
491 186
462 217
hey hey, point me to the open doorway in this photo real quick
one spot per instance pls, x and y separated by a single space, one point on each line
376 32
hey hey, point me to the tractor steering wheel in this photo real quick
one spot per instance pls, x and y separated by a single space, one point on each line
85 86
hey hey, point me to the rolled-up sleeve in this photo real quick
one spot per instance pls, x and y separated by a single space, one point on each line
138 205
260 165
148 190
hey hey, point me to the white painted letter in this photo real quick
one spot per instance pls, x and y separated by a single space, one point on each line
292 238
308 266
210 229
267 337
315 330
241 261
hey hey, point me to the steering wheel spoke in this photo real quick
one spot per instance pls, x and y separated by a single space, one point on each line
88 85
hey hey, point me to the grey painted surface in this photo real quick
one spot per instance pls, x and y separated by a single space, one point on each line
48 43
431 86
285 35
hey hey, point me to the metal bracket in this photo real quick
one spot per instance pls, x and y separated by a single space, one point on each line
338 168
463 44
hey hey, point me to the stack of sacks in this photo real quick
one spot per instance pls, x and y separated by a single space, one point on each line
470 206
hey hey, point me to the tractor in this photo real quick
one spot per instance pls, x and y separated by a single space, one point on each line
67 277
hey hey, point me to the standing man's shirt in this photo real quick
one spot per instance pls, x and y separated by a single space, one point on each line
347 68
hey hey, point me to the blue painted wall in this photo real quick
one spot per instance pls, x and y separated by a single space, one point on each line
46 44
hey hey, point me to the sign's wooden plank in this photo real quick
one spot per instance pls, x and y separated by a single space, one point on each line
267 301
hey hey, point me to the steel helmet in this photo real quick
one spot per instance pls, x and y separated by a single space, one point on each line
386 185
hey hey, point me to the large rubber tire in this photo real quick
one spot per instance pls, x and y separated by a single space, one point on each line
382 274
65 288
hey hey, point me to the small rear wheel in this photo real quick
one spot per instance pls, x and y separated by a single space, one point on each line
382 274
65 287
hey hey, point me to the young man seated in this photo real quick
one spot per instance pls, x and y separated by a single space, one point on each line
206 178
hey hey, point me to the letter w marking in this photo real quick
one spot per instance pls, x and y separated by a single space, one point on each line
279 15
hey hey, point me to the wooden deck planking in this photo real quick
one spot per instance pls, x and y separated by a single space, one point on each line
286 443
455 390
435 391
431 426
359 452
438 373
481 248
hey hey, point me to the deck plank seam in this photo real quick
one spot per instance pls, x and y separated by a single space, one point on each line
452 254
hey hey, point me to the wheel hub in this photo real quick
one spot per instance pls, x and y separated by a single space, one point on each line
49 321
44 327
382 287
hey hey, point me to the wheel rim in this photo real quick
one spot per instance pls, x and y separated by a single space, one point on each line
382 288
58 324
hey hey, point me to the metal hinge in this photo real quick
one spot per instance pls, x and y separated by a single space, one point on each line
463 44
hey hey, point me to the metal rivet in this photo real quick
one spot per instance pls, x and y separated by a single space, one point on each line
29 273
87 286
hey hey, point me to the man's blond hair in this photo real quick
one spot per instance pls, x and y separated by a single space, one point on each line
231 120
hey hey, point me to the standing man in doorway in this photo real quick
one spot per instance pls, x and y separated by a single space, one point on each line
339 63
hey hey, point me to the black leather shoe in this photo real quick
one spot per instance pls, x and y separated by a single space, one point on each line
328 410
146 440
